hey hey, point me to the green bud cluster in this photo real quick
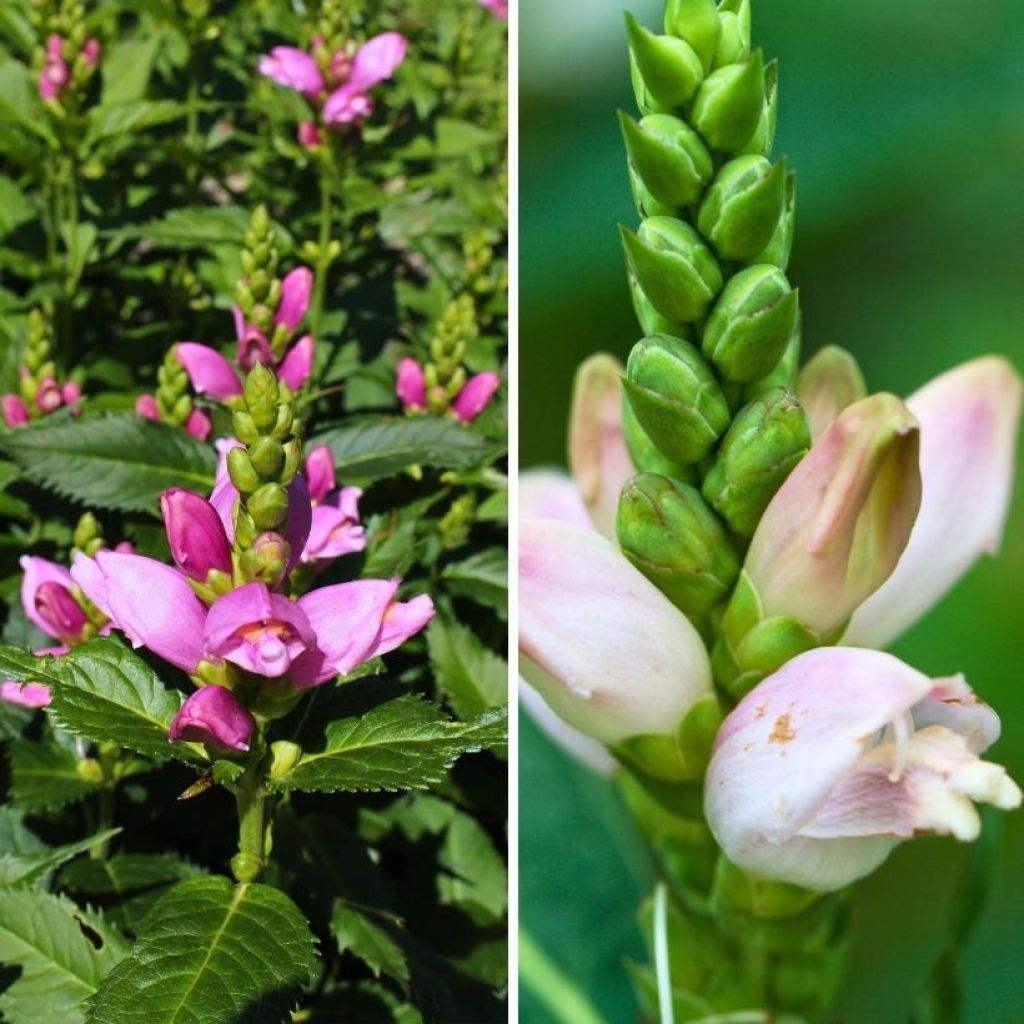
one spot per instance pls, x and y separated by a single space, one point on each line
37 363
173 397
335 27
261 470
88 535
709 416
444 373
478 259
258 291
67 19
455 524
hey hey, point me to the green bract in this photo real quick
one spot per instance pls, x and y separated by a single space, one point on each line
730 103
669 157
743 206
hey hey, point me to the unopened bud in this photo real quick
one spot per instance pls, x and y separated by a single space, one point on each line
284 755
669 156
267 457
780 245
650 320
730 103
763 139
668 67
261 396
675 397
243 474
751 324
698 23
827 385
268 506
782 376
244 427
674 267
644 453
666 529
765 442
742 208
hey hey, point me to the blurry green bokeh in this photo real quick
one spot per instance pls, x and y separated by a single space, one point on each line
905 124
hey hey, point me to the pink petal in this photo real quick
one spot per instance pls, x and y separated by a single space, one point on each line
347 105
198 425
195 533
297 365
969 418
309 135
598 458
87 575
293 68
257 630
402 620
320 472
410 385
15 411
28 695
214 715
296 289
606 649
550 494
145 405
376 60
347 619
473 398
335 532
37 572
210 373
62 613
154 606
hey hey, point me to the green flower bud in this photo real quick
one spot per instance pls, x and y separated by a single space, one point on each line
730 103
667 68
651 321
669 157
87 530
734 44
780 245
783 375
674 267
645 454
761 142
646 204
675 397
698 23
244 427
268 506
742 208
267 457
292 460
751 324
89 770
242 472
766 440
285 416
284 755
261 396
669 533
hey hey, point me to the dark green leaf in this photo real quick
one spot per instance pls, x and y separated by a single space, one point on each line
25 869
366 934
45 775
471 675
482 577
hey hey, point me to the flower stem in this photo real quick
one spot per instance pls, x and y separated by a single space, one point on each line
323 261
255 807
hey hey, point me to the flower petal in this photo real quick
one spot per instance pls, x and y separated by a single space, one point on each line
402 620
37 572
210 373
475 395
550 494
293 68
605 648
195 534
320 472
296 289
214 715
297 365
969 420
410 385
376 60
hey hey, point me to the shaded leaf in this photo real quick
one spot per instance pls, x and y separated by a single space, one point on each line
482 577
471 675
45 775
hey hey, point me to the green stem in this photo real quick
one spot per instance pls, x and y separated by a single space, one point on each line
192 120
255 805
323 262
71 272
106 798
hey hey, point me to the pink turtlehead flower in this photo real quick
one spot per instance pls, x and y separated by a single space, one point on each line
374 62
309 135
195 533
215 716
829 763
145 406
499 8
49 602
474 397
335 529
293 68
91 52
297 366
15 411
296 291
27 695
410 385
55 75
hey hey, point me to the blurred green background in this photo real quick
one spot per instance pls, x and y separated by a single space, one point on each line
905 124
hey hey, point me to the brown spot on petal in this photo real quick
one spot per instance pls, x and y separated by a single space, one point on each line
760 710
783 731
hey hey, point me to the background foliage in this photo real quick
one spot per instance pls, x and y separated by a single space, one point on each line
131 224
903 128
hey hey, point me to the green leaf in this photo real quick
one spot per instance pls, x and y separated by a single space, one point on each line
194 226
482 577
25 667
477 880
457 138
19 102
45 775
374 447
108 694
63 953
211 953
25 869
366 935
127 65
118 462
471 675
406 743
114 122
15 207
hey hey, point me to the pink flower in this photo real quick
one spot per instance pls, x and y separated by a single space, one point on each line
309 135
611 655
410 385
376 61
253 347
293 68
28 695
499 8
55 74
198 425
335 528
46 596
145 405
320 472
215 716
827 764
195 533
48 396
473 398
70 392
297 365
15 411
296 289
210 373
91 52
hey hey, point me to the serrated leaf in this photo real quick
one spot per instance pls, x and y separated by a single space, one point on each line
211 953
471 675
193 226
406 743
108 694
482 577
27 868
366 935
371 448
45 775
63 953
24 667
126 68
119 462
476 878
